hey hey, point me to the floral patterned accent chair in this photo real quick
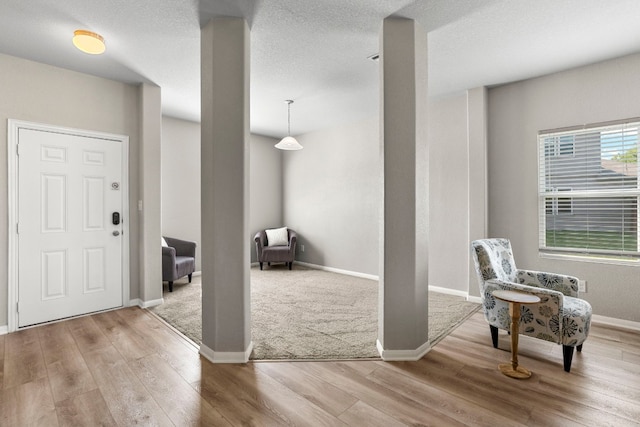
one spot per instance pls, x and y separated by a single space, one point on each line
560 316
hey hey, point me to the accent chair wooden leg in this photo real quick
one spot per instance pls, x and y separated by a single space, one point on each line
567 353
494 335
579 348
170 286
290 265
260 266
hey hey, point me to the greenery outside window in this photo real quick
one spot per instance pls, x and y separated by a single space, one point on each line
588 190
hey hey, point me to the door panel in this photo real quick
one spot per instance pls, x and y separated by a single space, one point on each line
94 270
54 204
54 274
93 205
69 259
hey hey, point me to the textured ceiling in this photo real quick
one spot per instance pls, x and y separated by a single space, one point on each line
314 51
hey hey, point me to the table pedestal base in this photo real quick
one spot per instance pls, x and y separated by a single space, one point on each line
519 372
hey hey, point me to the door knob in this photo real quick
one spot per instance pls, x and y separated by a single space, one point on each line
116 233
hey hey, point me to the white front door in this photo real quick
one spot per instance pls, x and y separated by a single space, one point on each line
69 247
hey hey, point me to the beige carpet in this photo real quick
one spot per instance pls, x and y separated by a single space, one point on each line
309 314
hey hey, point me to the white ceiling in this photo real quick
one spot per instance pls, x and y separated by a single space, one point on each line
315 51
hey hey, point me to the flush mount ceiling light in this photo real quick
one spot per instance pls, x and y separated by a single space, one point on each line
289 142
88 42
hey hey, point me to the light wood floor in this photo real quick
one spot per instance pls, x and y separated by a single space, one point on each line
126 367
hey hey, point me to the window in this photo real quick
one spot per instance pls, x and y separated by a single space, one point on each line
559 145
588 190
559 205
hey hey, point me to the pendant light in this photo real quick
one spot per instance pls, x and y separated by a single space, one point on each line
288 142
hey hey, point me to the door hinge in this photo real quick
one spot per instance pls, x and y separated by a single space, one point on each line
18 307
17 149
17 227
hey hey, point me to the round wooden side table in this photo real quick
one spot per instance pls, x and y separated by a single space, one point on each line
515 300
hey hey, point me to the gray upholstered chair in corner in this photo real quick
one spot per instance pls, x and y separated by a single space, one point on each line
281 248
560 316
178 260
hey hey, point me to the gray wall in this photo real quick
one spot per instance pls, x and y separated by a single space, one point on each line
265 191
448 193
181 182
595 93
331 195
40 93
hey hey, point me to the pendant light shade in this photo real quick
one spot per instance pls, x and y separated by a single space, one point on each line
289 142
89 42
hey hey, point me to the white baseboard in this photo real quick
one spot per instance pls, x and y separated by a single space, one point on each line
403 355
471 298
374 277
146 304
619 323
4 330
597 319
337 270
226 356
448 291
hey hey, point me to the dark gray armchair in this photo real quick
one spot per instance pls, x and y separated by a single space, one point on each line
282 253
178 260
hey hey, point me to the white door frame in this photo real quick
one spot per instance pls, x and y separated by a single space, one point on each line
13 127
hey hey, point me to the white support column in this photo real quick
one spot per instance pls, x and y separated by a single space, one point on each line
477 155
403 313
150 176
226 314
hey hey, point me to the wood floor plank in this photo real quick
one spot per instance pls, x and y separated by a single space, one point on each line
68 373
122 336
2 346
550 418
29 404
291 408
23 361
146 373
361 414
326 396
16 343
231 399
602 393
88 409
87 335
70 376
602 402
183 405
373 394
457 407
363 367
128 400
540 396
55 341
632 358
176 350
441 371
2 339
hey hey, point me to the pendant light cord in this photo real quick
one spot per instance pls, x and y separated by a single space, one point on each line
289 102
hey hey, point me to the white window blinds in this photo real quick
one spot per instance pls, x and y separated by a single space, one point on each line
588 189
